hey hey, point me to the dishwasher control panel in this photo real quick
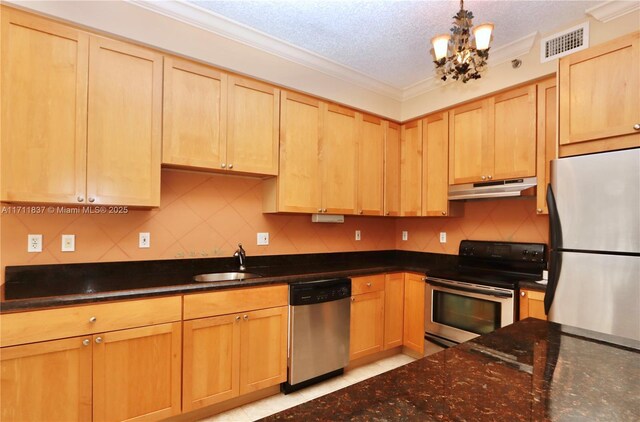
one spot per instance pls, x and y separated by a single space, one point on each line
308 293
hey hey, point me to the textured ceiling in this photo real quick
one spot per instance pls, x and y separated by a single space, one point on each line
389 40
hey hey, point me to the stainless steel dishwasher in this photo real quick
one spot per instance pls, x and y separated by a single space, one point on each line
319 320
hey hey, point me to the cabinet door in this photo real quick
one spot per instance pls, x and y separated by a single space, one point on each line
254 116
44 110
194 115
532 304
414 289
471 142
392 169
338 159
546 139
48 381
299 180
124 124
370 165
411 169
211 367
599 93
435 163
136 373
515 134
393 310
367 324
263 348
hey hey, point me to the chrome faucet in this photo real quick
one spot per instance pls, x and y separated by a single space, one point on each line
241 255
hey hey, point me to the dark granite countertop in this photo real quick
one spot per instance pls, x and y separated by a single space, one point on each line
45 286
532 370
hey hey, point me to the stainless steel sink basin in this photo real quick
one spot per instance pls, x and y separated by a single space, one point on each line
231 276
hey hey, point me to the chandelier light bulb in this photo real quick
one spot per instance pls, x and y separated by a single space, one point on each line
482 34
440 45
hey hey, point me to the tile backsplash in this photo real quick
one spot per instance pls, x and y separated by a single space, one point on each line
206 215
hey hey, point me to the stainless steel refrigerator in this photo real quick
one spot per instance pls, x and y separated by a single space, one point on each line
594 266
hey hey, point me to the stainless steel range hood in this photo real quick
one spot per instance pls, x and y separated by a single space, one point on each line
498 189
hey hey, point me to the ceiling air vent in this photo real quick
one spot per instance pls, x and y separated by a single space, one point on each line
564 43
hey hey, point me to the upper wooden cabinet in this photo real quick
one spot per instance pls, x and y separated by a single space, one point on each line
392 169
214 121
494 138
411 169
435 168
338 160
599 101
371 148
547 146
44 112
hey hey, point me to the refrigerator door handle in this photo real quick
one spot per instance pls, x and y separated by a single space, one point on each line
555 257
555 266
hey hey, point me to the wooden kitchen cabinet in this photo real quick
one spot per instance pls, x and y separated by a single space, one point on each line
546 140
44 112
599 101
393 310
494 138
392 169
532 304
46 381
367 315
371 148
411 169
338 160
414 291
435 168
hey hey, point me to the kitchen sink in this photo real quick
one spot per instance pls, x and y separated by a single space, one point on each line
229 276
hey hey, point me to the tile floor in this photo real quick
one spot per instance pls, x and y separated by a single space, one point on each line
279 402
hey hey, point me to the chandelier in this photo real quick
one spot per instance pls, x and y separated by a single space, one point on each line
457 56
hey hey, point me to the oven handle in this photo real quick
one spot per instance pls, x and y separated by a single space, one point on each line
470 289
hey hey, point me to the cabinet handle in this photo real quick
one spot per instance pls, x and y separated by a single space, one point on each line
98 340
539 210
369 284
80 199
523 294
230 166
636 126
483 177
489 177
85 342
93 319
223 165
238 318
92 200
444 213
246 317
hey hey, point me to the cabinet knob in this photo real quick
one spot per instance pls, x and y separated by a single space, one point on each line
230 166
92 200
360 212
223 165
386 213
444 213
319 209
85 342
636 126
80 199
98 340
93 319
523 294
246 317
238 318
369 284
539 210
324 210
483 177
353 299
489 177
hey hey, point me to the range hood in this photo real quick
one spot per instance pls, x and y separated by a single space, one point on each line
498 189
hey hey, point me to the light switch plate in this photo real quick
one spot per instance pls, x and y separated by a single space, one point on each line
443 237
405 235
263 239
144 240
358 235
34 243
68 243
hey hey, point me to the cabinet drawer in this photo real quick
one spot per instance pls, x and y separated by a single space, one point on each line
29 327
235 300
367 284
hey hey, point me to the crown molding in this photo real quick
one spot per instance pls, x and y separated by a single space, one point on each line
498 56
610 10
207 20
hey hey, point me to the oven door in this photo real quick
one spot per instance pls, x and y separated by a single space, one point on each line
458 311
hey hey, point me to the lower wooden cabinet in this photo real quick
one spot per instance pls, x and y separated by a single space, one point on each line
393 310
367 324
414 289
116 376
532 304
230 355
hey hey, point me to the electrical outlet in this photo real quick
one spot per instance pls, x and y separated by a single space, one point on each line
263 239
68 243
34 243
144 240
358 237
405 235
443 237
